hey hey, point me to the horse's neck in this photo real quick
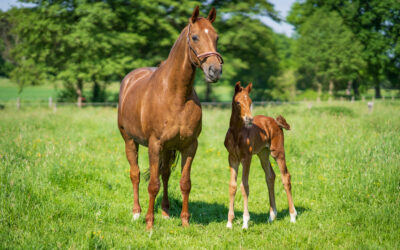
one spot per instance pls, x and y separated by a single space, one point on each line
179 69
236 123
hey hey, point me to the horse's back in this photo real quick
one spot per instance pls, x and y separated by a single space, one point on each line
132 78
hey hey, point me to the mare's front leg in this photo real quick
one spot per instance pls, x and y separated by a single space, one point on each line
154 183
246 161
233 165
165 173
185 183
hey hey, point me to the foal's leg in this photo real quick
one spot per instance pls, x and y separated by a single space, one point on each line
165 173
245 189
279 157
185 183
154 182
270 179
234 165
131 149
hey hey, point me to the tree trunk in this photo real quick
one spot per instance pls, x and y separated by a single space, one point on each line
79 88
355 89
319 92
97 92
331 88
377 87
208 92
348 90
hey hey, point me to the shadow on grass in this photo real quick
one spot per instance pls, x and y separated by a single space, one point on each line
205 213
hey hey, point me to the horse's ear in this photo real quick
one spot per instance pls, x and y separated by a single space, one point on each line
249 87
238 88
212 15
195 15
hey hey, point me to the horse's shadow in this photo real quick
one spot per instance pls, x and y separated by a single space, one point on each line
205 213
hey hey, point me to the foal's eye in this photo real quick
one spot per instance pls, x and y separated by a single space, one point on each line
195 38
238 103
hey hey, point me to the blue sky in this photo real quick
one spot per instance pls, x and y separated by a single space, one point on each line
282 6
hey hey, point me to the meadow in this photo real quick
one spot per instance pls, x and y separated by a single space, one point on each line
64 182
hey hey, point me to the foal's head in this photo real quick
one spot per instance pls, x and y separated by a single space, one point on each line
202 40
241 103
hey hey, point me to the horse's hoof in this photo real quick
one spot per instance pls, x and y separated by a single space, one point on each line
165 215
185 223
229 225
135 216
293 216
272 216
245 222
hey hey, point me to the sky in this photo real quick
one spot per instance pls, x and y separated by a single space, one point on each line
282 6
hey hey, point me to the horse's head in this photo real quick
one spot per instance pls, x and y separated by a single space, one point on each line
241 103
202 40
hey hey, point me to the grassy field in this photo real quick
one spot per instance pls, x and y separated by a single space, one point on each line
65 183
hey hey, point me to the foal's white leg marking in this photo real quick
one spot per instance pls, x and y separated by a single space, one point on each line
229 225
166 217
272 215
246 219
293 216
135 216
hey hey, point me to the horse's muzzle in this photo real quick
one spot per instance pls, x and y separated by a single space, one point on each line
213 73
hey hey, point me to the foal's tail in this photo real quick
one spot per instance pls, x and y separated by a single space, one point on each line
282 122
168 159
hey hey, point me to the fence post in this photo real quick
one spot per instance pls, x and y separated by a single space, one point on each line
370 106
363 98
50 102
55 107
352 98
18 103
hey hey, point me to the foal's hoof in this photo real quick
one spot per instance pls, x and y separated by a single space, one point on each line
245 222
293 217
135 216
229 225
185 223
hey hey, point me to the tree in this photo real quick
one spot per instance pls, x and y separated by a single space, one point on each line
375 24
327 52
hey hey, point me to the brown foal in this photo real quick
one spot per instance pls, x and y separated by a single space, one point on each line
159 108
262 136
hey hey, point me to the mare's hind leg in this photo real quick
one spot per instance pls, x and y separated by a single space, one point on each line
234 165
154 182
246 161
270 179
279 156
131 149
165 173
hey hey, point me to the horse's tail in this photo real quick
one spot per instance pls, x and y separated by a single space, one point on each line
282 122
168 159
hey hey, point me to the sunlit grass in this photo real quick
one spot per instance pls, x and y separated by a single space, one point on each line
65 182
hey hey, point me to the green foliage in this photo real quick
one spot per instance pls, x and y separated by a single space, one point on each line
376 26
64 182
327 50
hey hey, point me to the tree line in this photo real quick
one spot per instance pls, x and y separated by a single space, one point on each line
337 44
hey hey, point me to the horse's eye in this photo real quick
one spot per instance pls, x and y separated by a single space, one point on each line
195 38
238 103
217 38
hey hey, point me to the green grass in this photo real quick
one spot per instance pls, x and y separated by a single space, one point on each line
65 183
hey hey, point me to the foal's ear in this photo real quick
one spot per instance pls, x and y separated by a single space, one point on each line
212 15
249 87
238 88
195 15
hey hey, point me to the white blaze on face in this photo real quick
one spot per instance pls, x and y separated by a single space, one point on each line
206 30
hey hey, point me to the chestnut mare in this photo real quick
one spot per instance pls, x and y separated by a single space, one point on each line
159 108
262 136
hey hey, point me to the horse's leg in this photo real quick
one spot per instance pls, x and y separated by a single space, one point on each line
154 182
234 165
279 156
185 183
245 189
131 150
270 179
165 173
